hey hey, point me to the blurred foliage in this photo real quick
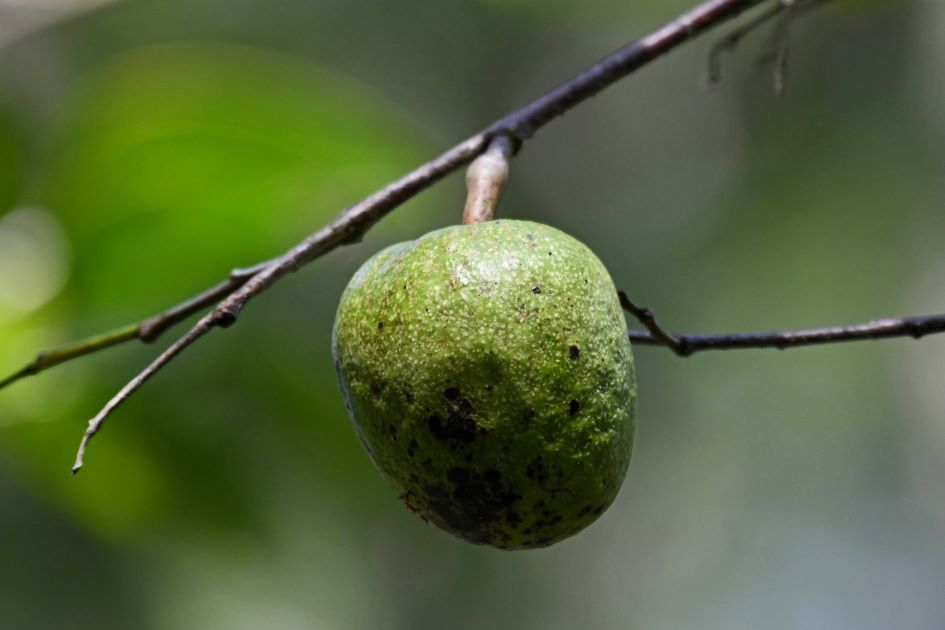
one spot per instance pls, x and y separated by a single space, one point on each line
146 148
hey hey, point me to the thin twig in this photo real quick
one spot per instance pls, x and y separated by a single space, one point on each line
645 316
730 42
351 224
788 10
146 331
685 345
95 424
782 49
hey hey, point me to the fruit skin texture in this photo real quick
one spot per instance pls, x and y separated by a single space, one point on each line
488 373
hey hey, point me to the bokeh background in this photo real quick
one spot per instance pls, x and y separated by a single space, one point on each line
148 147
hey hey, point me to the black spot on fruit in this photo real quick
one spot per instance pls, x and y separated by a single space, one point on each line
474 506
574 351
536 469
452 393
536 290
574 407
528 417
457 427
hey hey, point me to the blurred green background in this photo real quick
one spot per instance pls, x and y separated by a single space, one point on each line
148 147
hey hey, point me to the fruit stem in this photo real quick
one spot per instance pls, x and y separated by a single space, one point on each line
485 179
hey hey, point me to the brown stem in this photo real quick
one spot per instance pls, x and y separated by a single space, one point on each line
485 179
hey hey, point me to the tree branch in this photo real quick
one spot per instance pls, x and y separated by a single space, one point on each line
232 295
357 219
351 224
685 345
146 331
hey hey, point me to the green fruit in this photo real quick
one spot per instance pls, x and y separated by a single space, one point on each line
488 373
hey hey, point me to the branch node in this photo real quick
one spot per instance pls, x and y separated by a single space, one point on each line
150 329
224 318
519 131
645 316
497 136
352 236
245 273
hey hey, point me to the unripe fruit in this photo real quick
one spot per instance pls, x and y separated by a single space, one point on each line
488 373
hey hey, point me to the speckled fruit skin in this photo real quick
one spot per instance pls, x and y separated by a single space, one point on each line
488 373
